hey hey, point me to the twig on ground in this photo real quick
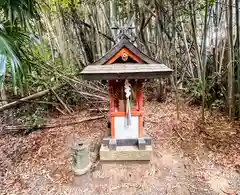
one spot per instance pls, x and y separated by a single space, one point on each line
149 133
60 110
175 129
228 193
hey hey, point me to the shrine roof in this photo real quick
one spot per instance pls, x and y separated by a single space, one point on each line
125 71
103 70
124 43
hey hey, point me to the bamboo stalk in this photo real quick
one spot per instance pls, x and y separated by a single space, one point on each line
204 59
194 35
230 55
238 52
186 46
174 56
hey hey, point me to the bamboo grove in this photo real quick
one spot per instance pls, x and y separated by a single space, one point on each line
200 40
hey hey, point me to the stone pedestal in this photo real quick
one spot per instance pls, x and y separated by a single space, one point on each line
126 149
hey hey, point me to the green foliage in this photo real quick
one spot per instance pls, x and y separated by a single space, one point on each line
194 90
19 12
18 16
218 104
35 120
12 55
214 97
212 2
64 3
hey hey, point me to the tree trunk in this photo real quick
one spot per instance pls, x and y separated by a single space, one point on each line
174 56
142 32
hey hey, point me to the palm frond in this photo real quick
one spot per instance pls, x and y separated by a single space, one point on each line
2 67
20 11
19 16
9 56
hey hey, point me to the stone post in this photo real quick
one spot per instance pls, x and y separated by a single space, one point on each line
81 158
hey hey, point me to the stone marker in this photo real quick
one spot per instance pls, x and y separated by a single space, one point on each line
81 158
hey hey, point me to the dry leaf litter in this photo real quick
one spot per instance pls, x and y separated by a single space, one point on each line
189 158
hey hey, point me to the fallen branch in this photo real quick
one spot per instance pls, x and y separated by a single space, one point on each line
87 94
61 101
47 126
32 101
61 111
150 121
98 109
179 134
33 96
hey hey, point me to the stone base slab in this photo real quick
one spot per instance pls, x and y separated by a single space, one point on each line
125 153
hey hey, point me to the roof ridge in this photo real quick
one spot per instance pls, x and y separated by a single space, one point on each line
124 42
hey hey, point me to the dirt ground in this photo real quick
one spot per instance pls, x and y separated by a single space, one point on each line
189 158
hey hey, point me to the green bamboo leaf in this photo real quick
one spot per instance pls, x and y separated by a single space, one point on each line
211 2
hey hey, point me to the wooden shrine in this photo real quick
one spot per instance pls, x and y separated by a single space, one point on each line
125 68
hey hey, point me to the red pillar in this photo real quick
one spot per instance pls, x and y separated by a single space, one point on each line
140 108
111 108
111 99
140 96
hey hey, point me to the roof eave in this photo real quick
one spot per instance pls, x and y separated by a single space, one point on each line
123 76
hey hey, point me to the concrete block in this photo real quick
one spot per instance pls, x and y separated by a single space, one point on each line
141 144
133 142
106 141
125 153
112 144
148 140
127 142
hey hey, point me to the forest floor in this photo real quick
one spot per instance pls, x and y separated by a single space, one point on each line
189 158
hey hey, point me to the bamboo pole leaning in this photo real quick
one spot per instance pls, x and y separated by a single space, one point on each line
16 128
33 96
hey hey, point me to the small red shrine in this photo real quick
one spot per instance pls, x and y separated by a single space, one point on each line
125 68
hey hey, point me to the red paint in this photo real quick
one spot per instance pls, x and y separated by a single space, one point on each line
128 53
133 113
111 100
